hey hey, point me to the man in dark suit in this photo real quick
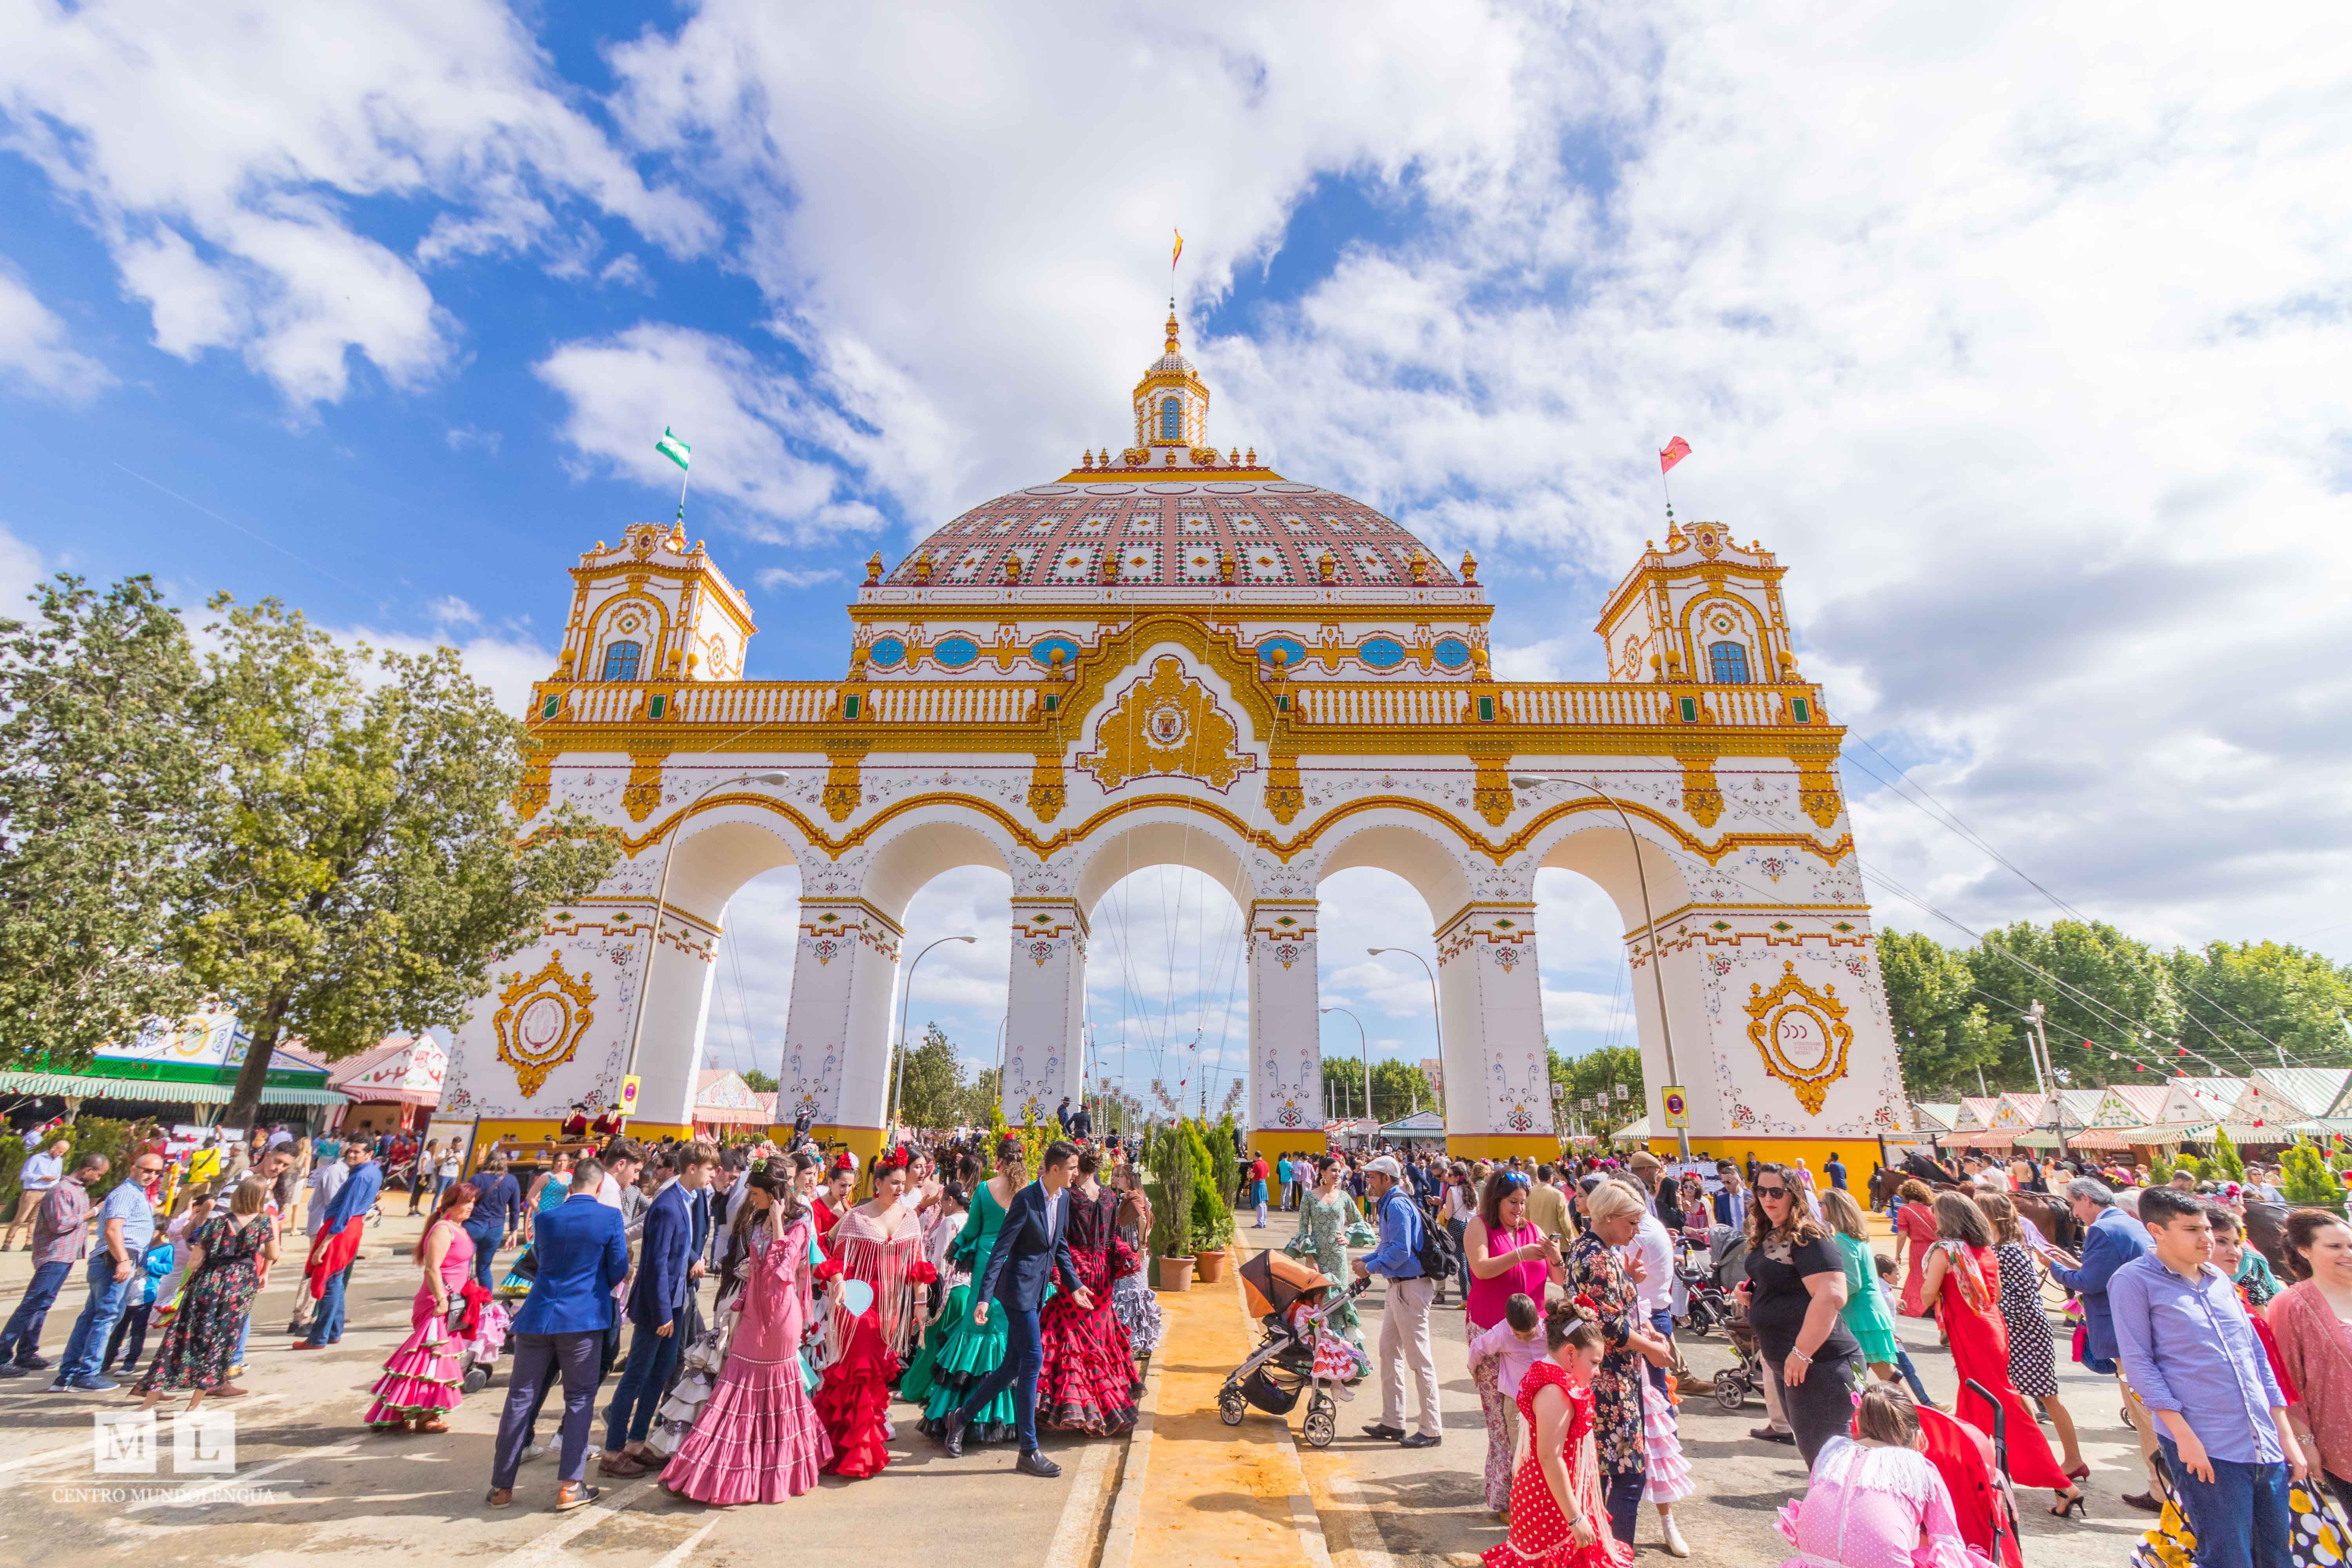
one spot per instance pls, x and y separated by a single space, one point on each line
1730 1203
584 1255
667 1267
1032 1248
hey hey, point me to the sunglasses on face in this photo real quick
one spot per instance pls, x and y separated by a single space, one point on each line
1771 1192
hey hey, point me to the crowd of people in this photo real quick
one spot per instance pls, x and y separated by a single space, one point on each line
998 1301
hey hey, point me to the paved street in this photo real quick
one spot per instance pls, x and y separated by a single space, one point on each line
313 1485
333 1492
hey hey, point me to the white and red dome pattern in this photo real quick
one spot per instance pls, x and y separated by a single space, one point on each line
1173 533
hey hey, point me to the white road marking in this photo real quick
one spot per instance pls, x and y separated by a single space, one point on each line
197 1497
547 1550
1074 1536
676 1558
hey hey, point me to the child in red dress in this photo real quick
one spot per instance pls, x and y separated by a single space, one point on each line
1560 1517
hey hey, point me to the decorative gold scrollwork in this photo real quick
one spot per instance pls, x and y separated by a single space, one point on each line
540 1022
1166 723
1802 1035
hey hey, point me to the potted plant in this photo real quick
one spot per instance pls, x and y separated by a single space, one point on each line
1212 1215
1167 1177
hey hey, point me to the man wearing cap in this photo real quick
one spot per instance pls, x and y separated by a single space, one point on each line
1405 1315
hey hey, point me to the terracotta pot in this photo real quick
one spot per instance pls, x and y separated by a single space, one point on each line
1175 1274
1209 1266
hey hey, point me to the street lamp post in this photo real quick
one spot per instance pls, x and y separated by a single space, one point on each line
1436 1018
1364 1051
661 901
905 996
1649 919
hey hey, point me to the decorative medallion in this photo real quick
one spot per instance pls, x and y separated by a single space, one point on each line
539 1023
1166 723
1802 1035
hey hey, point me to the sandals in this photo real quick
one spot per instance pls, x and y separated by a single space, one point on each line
434 1425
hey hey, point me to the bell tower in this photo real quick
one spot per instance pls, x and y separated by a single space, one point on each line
653 608
1172 407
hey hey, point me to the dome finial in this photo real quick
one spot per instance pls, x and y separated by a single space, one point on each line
1172 325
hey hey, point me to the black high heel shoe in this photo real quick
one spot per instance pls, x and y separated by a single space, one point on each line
2075 1507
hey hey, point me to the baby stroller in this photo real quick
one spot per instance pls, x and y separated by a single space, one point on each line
1983 1499
1282 1366
1707 1285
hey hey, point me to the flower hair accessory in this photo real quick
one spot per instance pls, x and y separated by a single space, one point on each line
844 1160
892 1160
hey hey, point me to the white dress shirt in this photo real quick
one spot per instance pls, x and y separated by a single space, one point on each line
1656 1248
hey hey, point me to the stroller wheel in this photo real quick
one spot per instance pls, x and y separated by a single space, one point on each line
1730 1390
1698 1325
1322 1423
1231 1404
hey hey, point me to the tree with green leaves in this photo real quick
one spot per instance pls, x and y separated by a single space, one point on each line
1943 1034
100 777
1400 1088
2246 1001
932 1092
1595 1076
357 871
758 1082
1343 1086
2097 985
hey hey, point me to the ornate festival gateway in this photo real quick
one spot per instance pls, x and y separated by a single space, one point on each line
1173 656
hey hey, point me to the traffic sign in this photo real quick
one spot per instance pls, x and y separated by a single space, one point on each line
1678 1107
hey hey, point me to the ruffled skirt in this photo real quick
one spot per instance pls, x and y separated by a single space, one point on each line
854 1403
423 1377
1132 1299
968 1353
756 1438
1669 1476
1086 1382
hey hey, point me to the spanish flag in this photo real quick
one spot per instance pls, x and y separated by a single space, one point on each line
1178 251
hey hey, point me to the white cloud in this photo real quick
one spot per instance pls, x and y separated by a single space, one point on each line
758 435
465 436
221 152
35 355
453 611
784 577
21 571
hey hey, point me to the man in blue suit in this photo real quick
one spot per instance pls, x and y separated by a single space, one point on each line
1032 1248
2111 1239
667 1267
583 1255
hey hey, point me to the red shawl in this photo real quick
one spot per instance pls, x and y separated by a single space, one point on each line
331 1253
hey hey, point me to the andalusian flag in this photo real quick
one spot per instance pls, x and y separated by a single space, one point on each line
670 447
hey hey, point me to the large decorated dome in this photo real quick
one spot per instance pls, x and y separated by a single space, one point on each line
1169 517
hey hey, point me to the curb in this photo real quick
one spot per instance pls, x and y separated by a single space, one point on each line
1127 1503
1304 1518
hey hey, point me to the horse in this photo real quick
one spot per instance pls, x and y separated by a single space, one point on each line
2048 1214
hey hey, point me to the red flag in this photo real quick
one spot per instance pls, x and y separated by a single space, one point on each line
1673 452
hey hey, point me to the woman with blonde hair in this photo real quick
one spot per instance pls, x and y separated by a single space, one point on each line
2032 1353
1595 1271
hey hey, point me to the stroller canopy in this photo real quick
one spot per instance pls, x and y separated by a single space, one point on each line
1274 1282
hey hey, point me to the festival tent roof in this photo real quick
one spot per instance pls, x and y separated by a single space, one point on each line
721 1096
1420 1125
2016 1112
2290 1094
1928 1118
1975 1112
1635 1130
400 1072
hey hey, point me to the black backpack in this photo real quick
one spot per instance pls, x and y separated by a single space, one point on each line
1437 1257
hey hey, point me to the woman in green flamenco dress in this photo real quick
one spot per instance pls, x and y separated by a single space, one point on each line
969 1352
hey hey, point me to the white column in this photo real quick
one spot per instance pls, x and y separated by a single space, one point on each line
1044 1000
678 1010
1498 1076
837 1030
1286 1037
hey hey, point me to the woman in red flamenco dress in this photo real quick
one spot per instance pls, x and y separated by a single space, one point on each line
1560 1516
1962 1277
1086 1381
854 1402
874 1319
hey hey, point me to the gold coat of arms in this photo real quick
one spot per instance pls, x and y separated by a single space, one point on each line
539 1023
1802 1035
1167 723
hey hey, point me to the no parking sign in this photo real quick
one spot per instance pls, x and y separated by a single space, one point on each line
1678 1108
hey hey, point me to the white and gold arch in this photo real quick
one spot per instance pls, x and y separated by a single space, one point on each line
1170 656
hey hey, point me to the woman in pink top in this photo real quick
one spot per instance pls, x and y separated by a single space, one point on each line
1508 1256
2312 1322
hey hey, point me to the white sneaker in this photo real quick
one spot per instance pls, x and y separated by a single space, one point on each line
1676 1545
532 1451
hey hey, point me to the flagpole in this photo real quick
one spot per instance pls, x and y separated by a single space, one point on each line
688 474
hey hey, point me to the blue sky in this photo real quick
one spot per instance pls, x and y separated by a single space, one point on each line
2019 335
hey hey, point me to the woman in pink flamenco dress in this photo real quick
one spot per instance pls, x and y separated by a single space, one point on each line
758 1438
1877 1502
1560 1516
424 1378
